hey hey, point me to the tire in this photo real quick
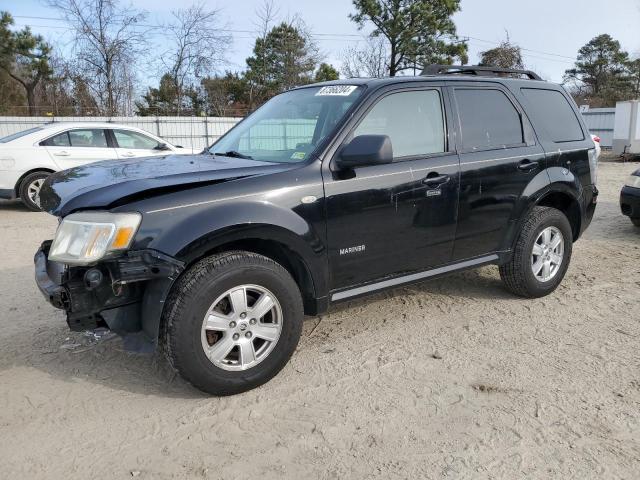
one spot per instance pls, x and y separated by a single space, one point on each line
198 290
518 274
33 180
636 221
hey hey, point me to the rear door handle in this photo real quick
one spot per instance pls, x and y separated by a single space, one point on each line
435 180
527 165
63 153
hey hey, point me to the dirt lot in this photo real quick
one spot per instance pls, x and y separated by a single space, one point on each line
450 379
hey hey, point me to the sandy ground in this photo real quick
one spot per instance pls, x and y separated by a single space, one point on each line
450 379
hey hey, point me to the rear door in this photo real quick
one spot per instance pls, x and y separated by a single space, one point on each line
389 219
79 146
130 144
499 156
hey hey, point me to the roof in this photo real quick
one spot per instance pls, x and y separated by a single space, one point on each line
379 82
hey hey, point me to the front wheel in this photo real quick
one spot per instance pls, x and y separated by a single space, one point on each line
541 255
30 190
232 322
636 221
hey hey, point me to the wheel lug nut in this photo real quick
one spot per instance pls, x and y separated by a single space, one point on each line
243 315
236 336
232 325
248 334
252 321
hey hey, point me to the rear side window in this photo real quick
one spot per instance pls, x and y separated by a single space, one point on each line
488 119
550 109
92 138
413 121
60 140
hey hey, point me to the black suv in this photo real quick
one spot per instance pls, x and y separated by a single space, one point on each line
326 193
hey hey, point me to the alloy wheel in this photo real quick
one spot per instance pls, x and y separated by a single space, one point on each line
242 327
547 254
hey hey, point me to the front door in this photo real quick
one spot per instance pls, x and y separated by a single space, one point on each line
400 217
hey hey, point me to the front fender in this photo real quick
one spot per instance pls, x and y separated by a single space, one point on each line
194 234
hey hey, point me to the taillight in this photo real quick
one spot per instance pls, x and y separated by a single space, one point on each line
596 139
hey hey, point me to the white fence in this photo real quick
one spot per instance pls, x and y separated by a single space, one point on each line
196 132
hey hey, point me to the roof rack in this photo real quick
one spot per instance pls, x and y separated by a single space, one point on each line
476 70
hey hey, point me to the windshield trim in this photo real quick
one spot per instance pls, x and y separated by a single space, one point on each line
313 155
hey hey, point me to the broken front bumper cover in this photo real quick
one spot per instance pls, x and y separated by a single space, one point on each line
108 294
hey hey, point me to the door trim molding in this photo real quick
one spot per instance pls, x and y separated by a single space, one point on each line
393 282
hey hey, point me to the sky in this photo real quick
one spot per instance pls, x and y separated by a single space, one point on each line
550 32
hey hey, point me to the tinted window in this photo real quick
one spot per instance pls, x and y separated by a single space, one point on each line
488 119
60 140
88 138
413 121
135 140
550 109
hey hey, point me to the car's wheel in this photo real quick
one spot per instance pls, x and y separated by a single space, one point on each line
232 321
541 255
636 221
30 190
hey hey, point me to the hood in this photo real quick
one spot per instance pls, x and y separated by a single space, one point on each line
100 184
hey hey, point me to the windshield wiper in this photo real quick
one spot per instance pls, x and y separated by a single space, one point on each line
234 154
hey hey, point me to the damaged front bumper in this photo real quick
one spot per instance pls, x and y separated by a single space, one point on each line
117 293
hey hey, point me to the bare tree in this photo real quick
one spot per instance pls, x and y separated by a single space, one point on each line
368 61
108 42
198 47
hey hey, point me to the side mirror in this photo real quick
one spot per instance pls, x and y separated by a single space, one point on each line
162 146
366 150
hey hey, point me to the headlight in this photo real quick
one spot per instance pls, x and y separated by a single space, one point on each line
633 181
86 237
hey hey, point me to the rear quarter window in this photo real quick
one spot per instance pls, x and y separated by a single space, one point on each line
551 110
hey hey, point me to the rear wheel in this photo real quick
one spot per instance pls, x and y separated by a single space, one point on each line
541 255
636 221
30 190
232 322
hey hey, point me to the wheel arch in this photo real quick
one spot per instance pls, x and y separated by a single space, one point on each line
568 204
16 188
277 243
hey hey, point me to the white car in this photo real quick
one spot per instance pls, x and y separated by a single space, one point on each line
596 142
28 157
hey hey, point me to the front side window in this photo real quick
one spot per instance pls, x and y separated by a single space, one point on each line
413 121
488 119
289 127
134 140
551 110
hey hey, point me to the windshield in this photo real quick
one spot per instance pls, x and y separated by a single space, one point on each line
289 126
17 135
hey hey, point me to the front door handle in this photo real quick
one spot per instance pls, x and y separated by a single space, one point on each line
128 154
527 165
63 153
435 180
